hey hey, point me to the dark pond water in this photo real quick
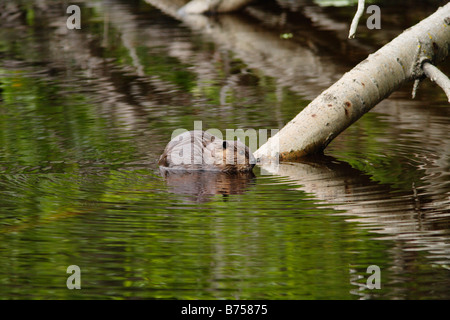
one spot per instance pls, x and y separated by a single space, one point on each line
85 114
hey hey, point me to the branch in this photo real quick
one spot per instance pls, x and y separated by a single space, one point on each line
437 76
355 21
204 6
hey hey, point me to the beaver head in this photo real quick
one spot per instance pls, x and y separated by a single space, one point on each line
231 156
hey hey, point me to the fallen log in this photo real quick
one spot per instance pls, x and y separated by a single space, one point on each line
362 88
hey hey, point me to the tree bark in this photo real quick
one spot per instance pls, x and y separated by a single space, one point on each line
360 89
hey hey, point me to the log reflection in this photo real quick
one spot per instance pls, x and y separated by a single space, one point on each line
414 220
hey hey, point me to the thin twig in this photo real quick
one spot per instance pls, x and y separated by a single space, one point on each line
415 87
437 76
355 21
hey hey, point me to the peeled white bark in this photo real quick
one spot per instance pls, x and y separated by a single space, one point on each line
360 89
203 6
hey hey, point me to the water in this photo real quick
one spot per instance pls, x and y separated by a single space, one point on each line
85 114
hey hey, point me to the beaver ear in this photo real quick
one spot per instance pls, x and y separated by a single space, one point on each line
224 144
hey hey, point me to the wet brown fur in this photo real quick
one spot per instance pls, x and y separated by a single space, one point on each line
207 152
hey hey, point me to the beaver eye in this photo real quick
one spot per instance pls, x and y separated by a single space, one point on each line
241 152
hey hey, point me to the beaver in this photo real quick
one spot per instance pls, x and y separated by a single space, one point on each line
200 150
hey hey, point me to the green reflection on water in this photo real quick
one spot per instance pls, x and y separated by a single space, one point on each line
68 194
118 228
43 123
